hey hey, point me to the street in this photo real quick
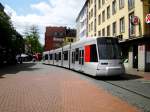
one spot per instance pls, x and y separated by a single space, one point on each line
34 87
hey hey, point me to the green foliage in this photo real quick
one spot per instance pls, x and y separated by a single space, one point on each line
11 42
9 37
32 41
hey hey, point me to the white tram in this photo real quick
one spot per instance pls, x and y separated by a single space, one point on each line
94 56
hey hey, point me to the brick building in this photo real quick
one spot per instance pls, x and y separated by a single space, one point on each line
56 36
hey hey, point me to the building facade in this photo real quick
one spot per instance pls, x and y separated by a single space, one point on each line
81 22
56 37
129 20
70 36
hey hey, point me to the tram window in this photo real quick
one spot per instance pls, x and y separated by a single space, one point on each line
77 54
55 56
65 55
93 53
59 55
73 57
82 57
51 56
46 57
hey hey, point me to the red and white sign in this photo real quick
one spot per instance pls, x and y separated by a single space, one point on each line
135 20
147 19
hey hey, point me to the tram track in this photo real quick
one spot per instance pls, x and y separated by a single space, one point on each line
127 89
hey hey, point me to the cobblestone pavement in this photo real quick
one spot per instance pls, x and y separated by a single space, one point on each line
42 88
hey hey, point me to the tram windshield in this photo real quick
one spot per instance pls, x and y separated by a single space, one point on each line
108 48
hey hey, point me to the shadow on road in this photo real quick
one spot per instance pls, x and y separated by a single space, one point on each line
17 68
119 78
122 77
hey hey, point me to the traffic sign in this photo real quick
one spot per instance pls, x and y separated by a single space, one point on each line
135 20
147 19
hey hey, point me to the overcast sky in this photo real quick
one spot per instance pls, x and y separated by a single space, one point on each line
42 13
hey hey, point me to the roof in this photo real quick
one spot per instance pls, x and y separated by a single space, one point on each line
85 4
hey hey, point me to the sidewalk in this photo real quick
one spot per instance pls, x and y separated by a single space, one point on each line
145 75
42 88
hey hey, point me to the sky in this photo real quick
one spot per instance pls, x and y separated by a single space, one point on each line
42 13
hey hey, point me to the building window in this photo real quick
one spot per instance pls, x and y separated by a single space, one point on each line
131 26
89 27
130 4
103 2
91 13
114 7
103 32
148 1
92 26
99 19
108 30
99 4
99 33
91 1
103 16
108 12
114 29
95 26
121 4
122 25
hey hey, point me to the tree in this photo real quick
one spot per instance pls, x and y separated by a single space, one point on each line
32 40
11 42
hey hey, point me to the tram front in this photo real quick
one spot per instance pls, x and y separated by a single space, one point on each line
109 53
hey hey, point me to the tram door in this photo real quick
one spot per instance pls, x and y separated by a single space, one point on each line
73 59
81 59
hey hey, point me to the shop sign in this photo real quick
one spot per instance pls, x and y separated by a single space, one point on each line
147 19
135 20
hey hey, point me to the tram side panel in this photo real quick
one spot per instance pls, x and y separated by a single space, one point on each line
90 59
51 57
58 57
46 57
66 56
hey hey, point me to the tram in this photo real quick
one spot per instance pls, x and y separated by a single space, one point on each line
97 56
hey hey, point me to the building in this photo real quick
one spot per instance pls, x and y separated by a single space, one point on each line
56 37
70 36
129 20
81 22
